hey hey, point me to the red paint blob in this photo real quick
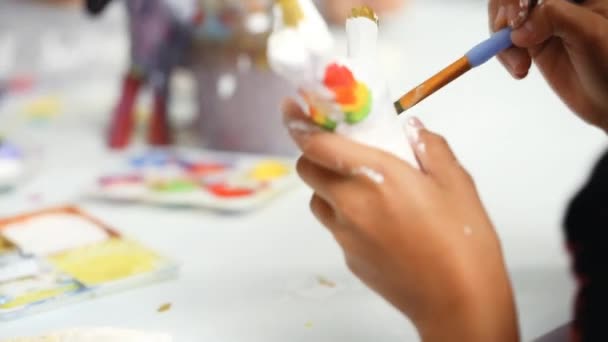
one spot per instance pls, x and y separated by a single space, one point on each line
204 169
341 81
226 191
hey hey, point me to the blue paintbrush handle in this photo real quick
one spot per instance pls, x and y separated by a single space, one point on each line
499 42
489 48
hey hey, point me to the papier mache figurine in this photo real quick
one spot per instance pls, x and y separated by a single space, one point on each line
160 36
167 34
344 95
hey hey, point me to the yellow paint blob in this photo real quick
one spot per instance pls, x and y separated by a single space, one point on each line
270 170
44 107
112 260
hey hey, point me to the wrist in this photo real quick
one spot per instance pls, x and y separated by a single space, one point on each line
478 311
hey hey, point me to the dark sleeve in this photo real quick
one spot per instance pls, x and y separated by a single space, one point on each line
95 7
586 227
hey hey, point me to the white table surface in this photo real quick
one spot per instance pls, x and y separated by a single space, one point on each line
253 277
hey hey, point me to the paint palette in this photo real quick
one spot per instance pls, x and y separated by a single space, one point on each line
12 165
220 181
58 256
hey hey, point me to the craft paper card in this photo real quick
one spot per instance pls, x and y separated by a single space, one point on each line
15 266
53 233
59 256
108 261
15 295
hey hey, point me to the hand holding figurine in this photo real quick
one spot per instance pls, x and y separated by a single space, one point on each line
569 44
421 239
347 96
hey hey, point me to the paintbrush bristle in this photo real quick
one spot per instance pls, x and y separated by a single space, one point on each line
364 12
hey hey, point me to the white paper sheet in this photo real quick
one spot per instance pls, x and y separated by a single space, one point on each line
53 233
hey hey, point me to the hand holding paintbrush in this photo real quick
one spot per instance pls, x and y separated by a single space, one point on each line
549 16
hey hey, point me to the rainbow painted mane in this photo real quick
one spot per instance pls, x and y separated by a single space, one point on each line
344 95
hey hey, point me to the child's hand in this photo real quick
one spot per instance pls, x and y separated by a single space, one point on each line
338 10
568 43
422 239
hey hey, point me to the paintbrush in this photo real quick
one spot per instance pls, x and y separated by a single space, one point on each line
477 56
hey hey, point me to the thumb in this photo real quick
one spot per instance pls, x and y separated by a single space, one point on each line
576 25
434 154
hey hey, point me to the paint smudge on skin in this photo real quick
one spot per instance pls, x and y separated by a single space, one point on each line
524 9
299 126
468 231
326 282
164 308
421 147
517 16
370 173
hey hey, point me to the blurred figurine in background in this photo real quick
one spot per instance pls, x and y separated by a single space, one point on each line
223 42
161 33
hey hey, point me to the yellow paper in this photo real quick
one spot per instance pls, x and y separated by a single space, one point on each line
108 261
38 296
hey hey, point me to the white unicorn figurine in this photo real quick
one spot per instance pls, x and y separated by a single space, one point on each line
344 95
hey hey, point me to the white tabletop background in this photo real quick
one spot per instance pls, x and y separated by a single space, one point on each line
253 277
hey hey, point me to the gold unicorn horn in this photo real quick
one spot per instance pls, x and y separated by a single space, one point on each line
364 12
292 12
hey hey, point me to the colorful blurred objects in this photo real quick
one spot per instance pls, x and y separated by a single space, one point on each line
166 35
229 191
221 181
12 165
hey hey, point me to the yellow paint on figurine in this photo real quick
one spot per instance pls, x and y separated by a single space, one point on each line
292 12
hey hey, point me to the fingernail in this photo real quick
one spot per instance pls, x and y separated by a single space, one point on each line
421 147
514 63
412 129
501 18
300 127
